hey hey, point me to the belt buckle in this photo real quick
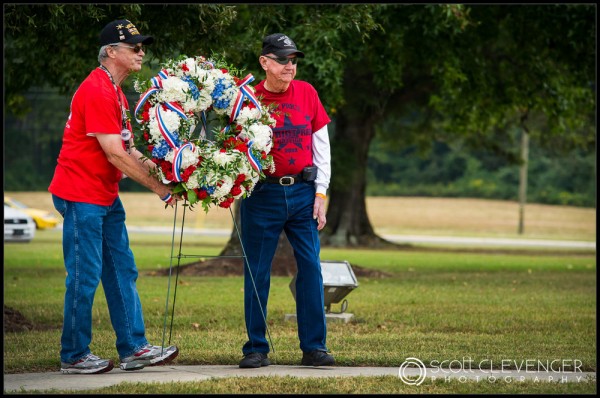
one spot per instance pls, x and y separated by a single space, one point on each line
288 178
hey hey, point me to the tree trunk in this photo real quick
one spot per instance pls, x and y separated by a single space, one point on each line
347 219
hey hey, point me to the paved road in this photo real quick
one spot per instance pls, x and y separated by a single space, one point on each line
415 239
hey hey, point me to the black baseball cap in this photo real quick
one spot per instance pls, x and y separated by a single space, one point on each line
280 45
122 31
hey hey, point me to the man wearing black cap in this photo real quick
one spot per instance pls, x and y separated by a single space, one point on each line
97 152
291 200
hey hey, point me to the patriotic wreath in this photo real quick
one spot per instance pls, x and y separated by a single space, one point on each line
205 129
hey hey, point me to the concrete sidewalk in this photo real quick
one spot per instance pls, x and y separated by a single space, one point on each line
172 373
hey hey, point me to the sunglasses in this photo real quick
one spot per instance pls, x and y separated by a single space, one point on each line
136 49
283 60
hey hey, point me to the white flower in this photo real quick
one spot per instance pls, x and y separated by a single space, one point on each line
174 89
247 115
261 137
191 106
171 121
211 178
224 158
205 100
223 190
194 180
188 157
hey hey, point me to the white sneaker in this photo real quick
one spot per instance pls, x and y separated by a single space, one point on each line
89 364
149 355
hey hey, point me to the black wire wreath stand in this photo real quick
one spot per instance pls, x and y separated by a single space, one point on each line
180 255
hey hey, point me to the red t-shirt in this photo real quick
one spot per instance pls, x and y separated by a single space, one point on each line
299 114
83 172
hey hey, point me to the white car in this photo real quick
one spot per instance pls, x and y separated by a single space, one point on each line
18 226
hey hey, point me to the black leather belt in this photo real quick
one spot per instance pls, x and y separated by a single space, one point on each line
284 180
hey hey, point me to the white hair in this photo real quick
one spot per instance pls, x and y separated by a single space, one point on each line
102 54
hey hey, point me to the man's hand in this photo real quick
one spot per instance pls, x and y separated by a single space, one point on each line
319 212
170 199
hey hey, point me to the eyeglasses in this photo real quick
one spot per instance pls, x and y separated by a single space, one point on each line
136 49
283 60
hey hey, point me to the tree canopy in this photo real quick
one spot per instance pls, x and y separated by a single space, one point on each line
408 73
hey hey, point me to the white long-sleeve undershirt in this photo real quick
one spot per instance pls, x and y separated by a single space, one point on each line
322 159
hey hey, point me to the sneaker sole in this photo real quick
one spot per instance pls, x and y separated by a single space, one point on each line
167 359
128 366
264 362
324 363
88 371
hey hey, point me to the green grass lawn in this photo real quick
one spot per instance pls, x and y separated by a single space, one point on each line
435 306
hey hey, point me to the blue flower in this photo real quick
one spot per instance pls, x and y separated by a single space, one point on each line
209 189
218 99
193 89
160 150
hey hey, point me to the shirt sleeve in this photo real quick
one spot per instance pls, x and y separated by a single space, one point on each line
322 159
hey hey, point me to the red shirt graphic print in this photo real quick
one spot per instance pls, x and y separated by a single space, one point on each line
299 114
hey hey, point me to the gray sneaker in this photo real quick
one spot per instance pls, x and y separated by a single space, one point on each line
89 364
149 355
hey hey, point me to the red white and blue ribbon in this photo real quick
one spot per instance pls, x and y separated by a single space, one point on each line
155 87
209 64
177 159
164 130
175 107
254 163
245 92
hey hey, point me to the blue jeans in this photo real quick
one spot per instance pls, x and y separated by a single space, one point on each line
96 248
269 210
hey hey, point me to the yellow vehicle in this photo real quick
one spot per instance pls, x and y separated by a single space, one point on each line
43 219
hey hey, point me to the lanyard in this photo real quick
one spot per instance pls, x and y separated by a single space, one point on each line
125 132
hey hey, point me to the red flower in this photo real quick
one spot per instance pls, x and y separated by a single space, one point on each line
201 193
187 173
167 169
229 142
236 190
241 178
184 67
226 203
241 146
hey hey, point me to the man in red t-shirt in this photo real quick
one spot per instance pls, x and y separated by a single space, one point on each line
97 151
292 199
